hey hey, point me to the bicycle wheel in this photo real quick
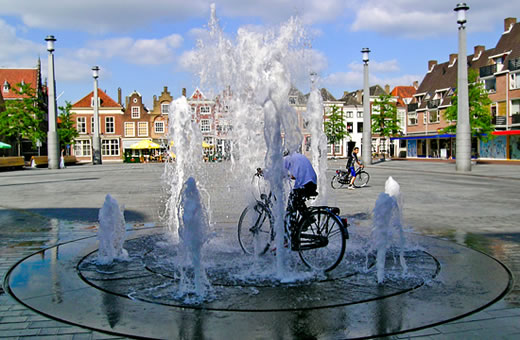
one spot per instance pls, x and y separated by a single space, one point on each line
337 182
362 179
255 229
320 240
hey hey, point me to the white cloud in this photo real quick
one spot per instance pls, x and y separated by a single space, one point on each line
134 51
376 66
418 19
17 52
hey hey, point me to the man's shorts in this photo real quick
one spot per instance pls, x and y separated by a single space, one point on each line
352 171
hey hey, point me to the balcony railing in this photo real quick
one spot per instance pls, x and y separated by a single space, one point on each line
514 64
433 104
412 107
499 120
516 118
486 71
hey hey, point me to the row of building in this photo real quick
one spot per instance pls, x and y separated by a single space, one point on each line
420 111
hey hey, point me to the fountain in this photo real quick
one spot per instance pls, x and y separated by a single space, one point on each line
111 234
387 221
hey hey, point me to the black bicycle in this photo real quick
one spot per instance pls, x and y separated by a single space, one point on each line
343 177
318 234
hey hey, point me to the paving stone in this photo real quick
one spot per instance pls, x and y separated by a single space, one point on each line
45 324
13 319
14 325
73 330
505 312
18 332
420 333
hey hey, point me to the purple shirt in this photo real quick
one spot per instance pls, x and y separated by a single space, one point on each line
300 168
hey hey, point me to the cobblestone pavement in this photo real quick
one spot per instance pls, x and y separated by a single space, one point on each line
41 207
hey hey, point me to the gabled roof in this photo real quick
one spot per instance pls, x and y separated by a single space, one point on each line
13 76
509 42
301 99
105 100
350 98
376 91
327 96
402 92
197 95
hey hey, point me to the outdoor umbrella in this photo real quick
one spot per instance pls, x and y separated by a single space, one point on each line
145 144
4 145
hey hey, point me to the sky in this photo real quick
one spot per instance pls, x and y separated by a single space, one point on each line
143 45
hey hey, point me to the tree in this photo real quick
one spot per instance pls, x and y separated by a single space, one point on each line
23 117
384 119
334 127
479 110
66 129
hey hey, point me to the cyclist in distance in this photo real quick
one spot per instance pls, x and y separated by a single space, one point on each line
351 165
300 169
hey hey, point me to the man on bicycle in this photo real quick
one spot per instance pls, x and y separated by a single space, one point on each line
351 165
300 169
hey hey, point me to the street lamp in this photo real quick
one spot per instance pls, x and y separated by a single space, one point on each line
53 155
366 142
96 139
463 137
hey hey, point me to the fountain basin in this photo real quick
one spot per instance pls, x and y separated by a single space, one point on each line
133 299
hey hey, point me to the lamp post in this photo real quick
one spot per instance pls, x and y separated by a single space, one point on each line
53 154
366 142
96 139
463 137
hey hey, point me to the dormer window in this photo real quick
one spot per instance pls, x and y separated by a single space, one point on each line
6 87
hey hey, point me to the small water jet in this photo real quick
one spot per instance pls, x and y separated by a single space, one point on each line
387 221
111 233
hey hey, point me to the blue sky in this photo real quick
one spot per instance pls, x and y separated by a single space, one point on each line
141 45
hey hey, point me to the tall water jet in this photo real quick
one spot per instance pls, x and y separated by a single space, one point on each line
386 222
314 117
111 233
193 234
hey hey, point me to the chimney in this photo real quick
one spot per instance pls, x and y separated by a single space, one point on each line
165 89
508 24
431 65
184 91
478 50
416 84
453 58
119 96
387 89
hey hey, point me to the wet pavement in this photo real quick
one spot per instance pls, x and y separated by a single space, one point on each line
40 208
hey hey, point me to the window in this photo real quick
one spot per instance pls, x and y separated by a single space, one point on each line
165 108
412 118
292 100
136 112
360 127
350 114
350 127
205 109
109 125
360 114
6 87
159 127
129 129
337 148
142 129
490 84
82 148
208 140
110 147
204 125
515 81
515 106
81 124
434 117
92 125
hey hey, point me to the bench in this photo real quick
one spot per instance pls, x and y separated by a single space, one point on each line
70 159
39 160
12 162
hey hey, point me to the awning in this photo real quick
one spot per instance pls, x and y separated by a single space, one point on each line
446 135
506 132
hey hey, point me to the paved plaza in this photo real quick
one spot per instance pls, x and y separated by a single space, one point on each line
40 208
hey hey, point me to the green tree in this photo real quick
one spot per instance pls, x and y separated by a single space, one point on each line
334 127
479 110
384 117
66 129
23 118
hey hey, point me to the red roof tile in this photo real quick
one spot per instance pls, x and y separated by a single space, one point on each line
106 101
403 92
15 76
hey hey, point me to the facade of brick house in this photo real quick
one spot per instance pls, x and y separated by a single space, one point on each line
203 113
404 96
110 123
498 69
159 117
136 124
9 78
